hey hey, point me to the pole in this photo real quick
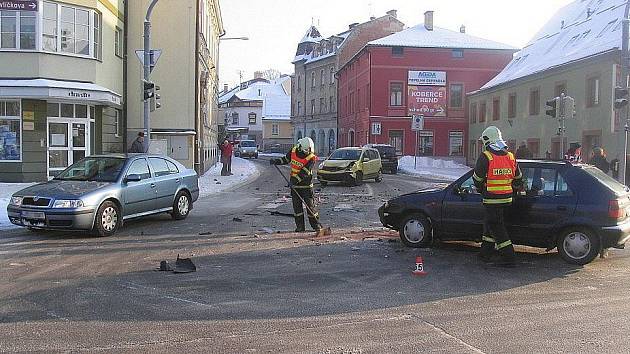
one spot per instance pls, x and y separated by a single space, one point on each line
625 56
147 73
415 154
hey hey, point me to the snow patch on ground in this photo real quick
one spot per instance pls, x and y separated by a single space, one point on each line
271 154
432 168
212 182
6 190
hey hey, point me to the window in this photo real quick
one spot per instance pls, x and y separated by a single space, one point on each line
534 102
172 167
10 132
159 167
425 144
299 83
457 53
398 51
251 117
592 91
313 79
275 129
456 143
331 104
70 29
473 112
17 30
496 108
140 168
235 118
396 140
482 112
117 124
545 182
322 105
312 106
97 49
332 75
322 79
512 105
118 40
299 108
457 96
395 94
68 110
559 89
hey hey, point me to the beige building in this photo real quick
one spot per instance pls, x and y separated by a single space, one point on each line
187 32
577 53
61 86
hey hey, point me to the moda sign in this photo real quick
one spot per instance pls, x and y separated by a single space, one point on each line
427 78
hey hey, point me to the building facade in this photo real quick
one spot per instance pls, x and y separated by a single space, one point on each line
188 32
276 119
61 87
314 100
423 70
577 53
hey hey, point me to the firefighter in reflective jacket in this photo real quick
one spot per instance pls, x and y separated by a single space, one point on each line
497 176
302 159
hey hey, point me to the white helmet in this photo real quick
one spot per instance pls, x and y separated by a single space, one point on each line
492 135
306 144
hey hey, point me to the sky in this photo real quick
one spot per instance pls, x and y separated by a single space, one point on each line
274 27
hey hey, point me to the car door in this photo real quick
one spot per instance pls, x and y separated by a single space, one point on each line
462 210
377 162
545 202
139 196
166 183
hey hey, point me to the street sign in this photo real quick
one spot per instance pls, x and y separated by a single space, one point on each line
417 122
15 5
154 55
376 128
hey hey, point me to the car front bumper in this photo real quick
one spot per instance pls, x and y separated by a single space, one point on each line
388 219
337 176
53 219
248 154
615 236
389 165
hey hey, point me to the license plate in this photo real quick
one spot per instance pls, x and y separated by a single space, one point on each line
33 215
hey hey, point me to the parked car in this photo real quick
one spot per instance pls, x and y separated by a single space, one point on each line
98 193
352 165
247 148
388 157
575 208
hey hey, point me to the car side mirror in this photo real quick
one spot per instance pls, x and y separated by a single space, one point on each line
133 178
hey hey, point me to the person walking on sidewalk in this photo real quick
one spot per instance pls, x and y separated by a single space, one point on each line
302 159
138 145
599 160
226 157
497 175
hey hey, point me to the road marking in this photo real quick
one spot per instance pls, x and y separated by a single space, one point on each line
450 336
158 293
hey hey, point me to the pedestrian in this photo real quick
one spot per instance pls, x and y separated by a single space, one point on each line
497 175
523 152
226 157
138 145
302 159
599 159
574 154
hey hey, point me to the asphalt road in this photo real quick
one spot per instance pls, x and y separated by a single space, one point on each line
281 292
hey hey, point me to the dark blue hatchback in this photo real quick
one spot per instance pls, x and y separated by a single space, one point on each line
575 208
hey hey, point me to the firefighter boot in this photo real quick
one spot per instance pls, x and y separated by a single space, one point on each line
507 257
487 249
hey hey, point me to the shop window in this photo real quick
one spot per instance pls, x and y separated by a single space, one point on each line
67 110
457 96
456 143
275 129
395 94
425 144
17 30
251 118
10 132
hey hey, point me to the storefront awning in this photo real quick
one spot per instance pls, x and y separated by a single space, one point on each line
237 129
46 89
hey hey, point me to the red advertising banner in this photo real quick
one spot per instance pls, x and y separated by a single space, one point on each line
429 101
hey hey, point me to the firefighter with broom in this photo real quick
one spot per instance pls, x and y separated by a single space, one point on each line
302 159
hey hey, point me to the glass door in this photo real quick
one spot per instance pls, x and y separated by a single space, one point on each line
68 142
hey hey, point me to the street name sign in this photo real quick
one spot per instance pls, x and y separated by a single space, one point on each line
15 5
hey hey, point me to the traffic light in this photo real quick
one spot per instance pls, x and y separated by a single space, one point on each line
155 99
621 95
553 107
568 107
149 89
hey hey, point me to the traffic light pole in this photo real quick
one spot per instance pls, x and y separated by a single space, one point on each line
624 77
147 73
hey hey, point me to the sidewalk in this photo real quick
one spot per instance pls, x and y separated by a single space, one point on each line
432 168
243 171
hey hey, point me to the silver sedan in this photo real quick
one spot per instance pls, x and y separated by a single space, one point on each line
99 193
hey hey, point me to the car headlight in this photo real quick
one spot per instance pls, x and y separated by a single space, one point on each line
68 203
321 166
17 201
349 168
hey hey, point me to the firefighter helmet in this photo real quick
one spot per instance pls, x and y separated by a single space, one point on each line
306 144
492 135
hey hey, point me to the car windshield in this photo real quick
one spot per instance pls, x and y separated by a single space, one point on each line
345 155
97 169
606 180
248 144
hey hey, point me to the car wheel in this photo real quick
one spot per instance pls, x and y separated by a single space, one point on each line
379 177
256 157
181 206
415 231
108 219
358 179
578 245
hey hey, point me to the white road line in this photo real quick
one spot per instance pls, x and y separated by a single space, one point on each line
450 336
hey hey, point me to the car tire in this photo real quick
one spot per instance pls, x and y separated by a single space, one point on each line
108 219
578 245
415 231
358 179
256 157
181 206
379 177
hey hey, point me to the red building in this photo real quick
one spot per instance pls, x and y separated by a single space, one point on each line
419 71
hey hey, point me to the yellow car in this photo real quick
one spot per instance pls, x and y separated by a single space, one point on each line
351 164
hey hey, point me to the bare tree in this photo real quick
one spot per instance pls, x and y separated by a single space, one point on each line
271 74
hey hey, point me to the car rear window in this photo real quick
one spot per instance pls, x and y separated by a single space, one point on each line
606 180
386 150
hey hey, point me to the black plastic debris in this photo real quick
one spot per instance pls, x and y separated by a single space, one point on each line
165 267
237 219
184 265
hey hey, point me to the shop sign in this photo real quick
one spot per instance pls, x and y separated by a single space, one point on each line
83 95
426 78
28 125
28 115
428 101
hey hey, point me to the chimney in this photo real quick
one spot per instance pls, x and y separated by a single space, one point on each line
225 88
462 29
428 20
393 13
258 74
353 25
372 18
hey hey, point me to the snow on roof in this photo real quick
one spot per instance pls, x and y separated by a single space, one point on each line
579 30
276 107
312 36
48 83
419 37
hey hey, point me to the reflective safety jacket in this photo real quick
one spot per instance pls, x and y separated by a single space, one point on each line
496 175
301 167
